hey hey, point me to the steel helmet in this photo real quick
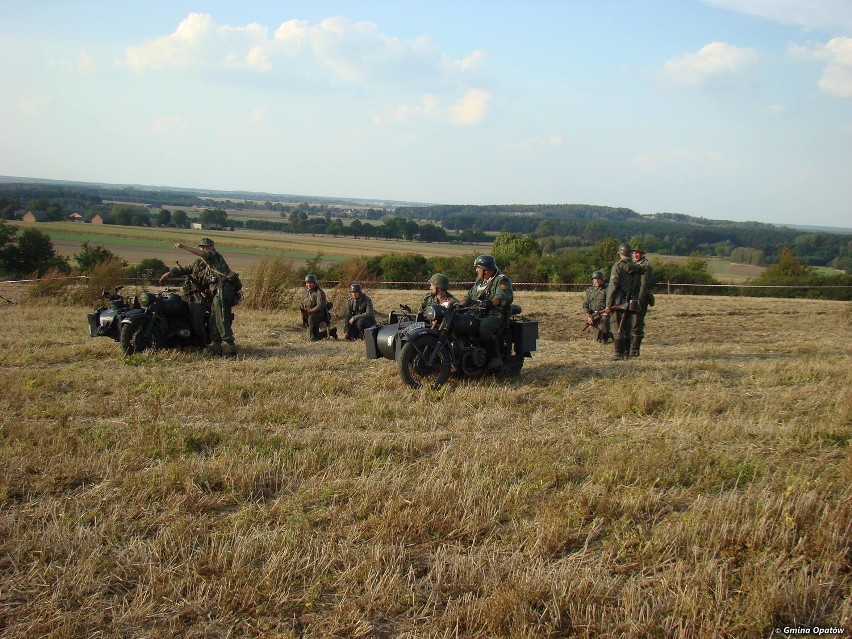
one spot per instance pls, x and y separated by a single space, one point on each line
597 275
640 247
205 241
439 280
625 249
486 262
355 288
311 278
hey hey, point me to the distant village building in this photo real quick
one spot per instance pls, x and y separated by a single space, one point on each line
197 225
76 217
36 216
97 219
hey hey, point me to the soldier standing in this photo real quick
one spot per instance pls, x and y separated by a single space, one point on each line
622 293
594 304
196 293
220 277
438 293
646 298
359 313
492 291
315 309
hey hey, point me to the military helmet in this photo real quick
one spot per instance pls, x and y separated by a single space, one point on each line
355 288
625 249
205 241
597 275
311 278
439 280
640 247
486 262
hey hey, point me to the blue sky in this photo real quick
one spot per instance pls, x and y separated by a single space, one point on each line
726 109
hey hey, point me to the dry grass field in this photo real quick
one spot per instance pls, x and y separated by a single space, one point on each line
702 490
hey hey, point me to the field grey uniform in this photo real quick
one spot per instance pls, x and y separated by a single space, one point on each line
309 299
497 286
646 299
596 301
362 310
623 287
224 295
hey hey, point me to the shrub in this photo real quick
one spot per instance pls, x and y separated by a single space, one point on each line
272 284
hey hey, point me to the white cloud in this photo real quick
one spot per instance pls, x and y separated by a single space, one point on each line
34 105
713 61
169 124
472 108
833 15
334 50
84 64
468 110
836 79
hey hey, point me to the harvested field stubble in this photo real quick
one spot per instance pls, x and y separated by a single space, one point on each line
702 490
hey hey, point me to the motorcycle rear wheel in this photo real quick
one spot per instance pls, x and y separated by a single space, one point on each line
133 339
413 367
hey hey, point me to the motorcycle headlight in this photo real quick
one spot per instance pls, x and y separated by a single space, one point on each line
434 312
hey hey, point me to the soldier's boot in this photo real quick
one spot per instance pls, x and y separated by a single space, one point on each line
332 332
634 346
215 348
627 348
230 350
492 351
618 350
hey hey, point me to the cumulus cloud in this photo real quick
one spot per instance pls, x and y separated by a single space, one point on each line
713 61
834 15
336 49
472 108
836 78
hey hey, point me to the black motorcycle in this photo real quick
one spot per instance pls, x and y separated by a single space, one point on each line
428 347
162 321
105 319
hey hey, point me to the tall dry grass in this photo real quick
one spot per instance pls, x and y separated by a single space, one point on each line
702 490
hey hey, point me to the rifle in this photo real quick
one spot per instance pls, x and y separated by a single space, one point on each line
198 286
629 306
596 318
304 316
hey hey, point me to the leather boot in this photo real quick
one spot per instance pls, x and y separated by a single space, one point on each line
492 351
634 346
626 348
230 350
215 348
332 332
618 352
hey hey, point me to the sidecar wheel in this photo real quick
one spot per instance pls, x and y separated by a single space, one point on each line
132 339
414 369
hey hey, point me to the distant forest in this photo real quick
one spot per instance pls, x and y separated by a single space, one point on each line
556 228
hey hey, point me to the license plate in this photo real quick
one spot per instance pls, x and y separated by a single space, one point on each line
414 326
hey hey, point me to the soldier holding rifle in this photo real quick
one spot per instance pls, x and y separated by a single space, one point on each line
594 304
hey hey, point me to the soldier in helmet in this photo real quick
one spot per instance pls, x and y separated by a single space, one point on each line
621 294
438 293
594 304
646 298
492 292
314 305
359 313
218 274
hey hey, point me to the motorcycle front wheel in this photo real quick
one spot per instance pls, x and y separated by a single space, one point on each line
415 369
132 339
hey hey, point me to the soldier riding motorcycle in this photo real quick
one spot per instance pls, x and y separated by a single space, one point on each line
427 351
163 320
